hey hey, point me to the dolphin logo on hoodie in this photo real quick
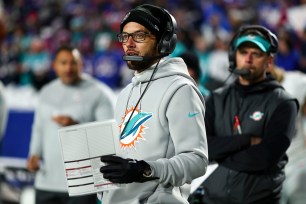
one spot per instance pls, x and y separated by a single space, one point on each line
132 131
135 123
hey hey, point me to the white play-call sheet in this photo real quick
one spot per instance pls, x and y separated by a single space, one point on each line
82 146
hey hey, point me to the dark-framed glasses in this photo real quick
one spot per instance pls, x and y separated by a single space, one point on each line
138 36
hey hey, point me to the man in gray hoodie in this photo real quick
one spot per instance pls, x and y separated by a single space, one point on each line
163 143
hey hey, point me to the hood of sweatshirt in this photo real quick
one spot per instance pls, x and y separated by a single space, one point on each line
268 84
166 67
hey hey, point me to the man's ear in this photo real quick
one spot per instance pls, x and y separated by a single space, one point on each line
270 63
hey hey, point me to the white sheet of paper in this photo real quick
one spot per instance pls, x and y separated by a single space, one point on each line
82 146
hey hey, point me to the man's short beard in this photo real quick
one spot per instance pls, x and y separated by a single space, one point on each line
253 77
143 65
139 66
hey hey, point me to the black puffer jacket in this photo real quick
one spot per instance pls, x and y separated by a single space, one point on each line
248 174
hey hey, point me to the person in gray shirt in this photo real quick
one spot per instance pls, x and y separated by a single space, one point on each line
70 99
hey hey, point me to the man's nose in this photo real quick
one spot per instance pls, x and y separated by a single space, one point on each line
68 67
130 41
248 57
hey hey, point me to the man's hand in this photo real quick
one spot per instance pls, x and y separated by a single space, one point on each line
64 120
119 170
255 140
33 163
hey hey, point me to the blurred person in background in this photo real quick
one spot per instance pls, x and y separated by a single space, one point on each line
3 121
3 104
70 99
107 61
249 125
158 156
193 66
218 73
302 61
287 56
35 63
294 186
3 111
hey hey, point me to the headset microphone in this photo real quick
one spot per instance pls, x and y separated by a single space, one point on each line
137 58
133 58
242 72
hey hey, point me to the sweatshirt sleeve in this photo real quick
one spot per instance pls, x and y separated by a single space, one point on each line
222 145
276 140
185 115
3 112
37 136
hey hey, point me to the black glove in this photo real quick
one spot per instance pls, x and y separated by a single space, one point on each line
119 170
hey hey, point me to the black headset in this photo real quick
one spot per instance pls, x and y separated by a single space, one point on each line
261 30
167 42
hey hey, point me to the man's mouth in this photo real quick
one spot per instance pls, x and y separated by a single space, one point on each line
131 53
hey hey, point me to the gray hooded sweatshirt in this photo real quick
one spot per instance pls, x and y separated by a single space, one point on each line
167 131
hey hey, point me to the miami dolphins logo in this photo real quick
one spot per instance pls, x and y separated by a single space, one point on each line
257 116
132 133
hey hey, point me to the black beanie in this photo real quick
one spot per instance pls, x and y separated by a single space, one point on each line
151 17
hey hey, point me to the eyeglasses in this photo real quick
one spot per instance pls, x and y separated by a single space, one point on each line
138 36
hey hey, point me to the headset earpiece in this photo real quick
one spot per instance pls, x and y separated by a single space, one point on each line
231 51
168 39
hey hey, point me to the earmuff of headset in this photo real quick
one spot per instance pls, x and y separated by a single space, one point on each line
167 42
168 39
271 37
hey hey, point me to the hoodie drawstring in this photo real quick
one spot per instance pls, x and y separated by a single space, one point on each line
139 96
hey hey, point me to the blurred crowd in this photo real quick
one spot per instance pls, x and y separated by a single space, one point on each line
35 28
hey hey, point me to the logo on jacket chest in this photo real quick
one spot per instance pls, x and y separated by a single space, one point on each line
257 116
132 131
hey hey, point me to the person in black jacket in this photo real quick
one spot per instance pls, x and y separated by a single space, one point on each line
249 124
